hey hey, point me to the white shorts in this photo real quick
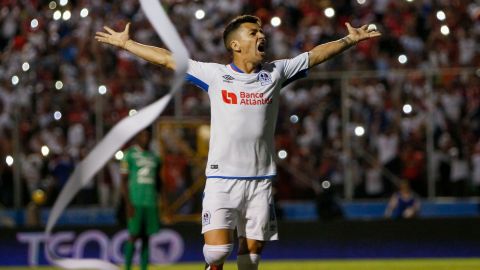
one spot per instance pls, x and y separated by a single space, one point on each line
246 205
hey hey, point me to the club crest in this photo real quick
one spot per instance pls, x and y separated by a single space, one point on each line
206 218
264 78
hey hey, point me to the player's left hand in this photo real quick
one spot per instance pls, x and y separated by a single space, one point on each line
361 33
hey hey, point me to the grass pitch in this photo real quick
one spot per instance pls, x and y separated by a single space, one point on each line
391 264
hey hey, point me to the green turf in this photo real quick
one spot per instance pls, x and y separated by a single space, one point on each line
404 264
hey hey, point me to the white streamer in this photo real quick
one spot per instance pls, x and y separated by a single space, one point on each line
120 134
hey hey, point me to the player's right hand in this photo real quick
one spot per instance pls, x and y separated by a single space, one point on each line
130 210
118 39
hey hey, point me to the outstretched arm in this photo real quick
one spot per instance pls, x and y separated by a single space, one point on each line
328 50
155 55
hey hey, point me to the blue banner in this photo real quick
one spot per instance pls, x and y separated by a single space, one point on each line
336 239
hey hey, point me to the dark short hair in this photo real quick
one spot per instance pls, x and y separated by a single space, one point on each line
235 24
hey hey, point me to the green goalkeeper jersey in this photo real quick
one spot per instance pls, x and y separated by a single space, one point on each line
142 168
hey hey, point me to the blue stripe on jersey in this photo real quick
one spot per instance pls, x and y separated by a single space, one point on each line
242 177
197 82
232 65
301 74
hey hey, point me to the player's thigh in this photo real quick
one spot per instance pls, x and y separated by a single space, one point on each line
221 203
259 219
218 237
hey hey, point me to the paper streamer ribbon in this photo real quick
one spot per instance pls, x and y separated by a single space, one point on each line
120 134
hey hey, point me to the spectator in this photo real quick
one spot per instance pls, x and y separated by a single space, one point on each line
403 204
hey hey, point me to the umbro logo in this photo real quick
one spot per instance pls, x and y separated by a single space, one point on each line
227 78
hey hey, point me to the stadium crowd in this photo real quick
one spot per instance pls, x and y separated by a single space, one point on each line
63 90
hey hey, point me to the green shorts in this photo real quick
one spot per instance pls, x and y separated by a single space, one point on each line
144 221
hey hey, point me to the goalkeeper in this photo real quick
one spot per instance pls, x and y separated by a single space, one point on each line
140 184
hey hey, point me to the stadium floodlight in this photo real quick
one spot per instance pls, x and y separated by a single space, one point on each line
407 108
361 2
282 154
200 14
45 150
326 184
441 16
402 59
9 160
410 1
84 12
294 118
66 15
119 155
329 12
58 85
52 5
57 15
445 30
34 23
132 112
57 115
25 66
276 21
359 131
102 89
15 80
63 2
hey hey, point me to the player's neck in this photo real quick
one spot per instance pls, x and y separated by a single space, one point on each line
245 65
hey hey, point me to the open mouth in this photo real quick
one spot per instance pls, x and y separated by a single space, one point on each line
261 47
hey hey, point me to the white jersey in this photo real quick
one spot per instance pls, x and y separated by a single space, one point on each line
244 109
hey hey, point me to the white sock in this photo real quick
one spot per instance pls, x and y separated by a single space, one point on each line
248 261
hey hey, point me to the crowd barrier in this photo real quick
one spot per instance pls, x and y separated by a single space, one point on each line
339 239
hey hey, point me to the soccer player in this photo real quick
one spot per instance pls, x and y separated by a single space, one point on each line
244 97
140 171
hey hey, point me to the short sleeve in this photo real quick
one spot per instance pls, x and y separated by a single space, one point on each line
198 74
294 68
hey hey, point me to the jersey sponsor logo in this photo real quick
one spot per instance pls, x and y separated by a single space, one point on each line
227 78
214 166
206 218
229 97
246 98
264 78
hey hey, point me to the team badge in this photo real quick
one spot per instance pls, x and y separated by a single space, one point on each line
264 78
206 218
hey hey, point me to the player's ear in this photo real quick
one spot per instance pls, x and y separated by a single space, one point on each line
235 45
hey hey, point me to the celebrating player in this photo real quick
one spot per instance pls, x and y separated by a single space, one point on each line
244 97
140 169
